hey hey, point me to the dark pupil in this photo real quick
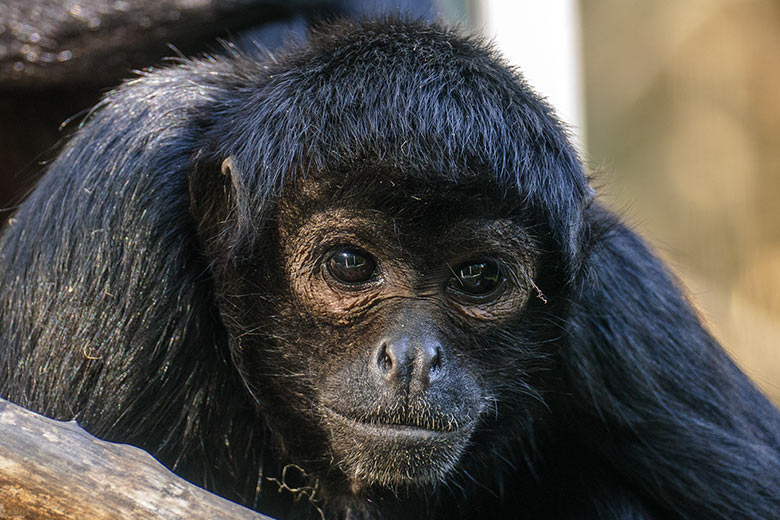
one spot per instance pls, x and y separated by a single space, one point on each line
476 278
351 266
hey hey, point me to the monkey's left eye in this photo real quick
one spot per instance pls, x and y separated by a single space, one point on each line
351 266
477 278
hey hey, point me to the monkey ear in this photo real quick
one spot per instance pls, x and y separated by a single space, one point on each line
213 194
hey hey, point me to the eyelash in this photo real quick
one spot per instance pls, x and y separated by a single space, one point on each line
511 274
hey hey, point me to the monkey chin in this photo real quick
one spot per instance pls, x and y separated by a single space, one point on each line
399 457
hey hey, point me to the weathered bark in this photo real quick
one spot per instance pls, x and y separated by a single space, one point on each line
56 470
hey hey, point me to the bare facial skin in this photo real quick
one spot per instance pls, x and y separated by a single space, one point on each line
395 298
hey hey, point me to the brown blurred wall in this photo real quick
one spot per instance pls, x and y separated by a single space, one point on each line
683 131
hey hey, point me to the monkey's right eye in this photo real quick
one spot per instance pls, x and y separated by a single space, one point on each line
351 266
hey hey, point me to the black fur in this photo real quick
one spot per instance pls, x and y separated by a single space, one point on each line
108 310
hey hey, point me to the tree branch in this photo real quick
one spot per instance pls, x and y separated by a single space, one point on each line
56 470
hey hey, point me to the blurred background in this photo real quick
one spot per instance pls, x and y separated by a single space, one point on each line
683 126
675 106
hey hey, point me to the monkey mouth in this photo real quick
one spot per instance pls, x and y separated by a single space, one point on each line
414 450
400 430
411 428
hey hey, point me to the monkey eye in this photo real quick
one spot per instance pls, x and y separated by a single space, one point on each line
351 265
477 278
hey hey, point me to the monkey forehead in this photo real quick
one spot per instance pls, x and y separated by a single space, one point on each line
430 235
384 208
403 194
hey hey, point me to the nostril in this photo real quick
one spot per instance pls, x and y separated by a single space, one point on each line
435 363
431 364
384 360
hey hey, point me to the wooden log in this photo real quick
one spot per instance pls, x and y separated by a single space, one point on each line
56 470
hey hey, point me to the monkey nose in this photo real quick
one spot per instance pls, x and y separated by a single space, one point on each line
404 361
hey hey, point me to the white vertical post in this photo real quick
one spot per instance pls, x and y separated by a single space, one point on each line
542 38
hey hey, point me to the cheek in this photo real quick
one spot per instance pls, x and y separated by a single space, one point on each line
306 348
317 300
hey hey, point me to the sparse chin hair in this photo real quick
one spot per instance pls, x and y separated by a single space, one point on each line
395 456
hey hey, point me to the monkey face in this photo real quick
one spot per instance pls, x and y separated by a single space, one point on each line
386 326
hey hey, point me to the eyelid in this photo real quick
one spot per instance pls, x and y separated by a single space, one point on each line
350 237
503 265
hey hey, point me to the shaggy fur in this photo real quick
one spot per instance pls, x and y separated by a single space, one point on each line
110 313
